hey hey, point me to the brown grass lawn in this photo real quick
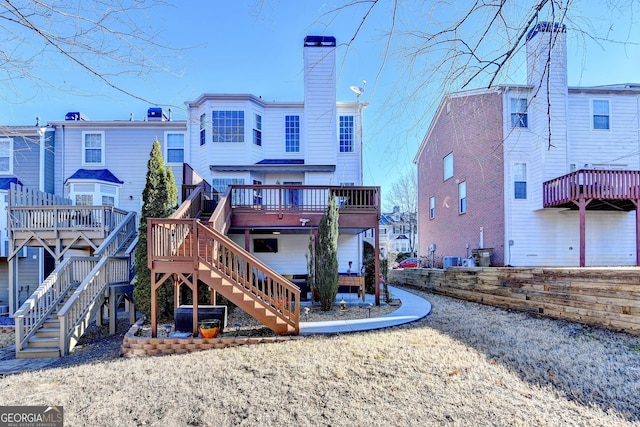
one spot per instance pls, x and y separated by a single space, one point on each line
463 365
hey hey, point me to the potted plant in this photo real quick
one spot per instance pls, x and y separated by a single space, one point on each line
209 328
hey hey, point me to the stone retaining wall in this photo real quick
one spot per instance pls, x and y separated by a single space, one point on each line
603 297
134 345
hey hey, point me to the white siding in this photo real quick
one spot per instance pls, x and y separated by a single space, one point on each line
127 150
549 237
320 105
619 145
292 251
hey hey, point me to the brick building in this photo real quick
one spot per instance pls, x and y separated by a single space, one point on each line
542 173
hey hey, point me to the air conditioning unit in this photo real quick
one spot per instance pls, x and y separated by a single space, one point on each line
468 262
156 114
76 116
451 261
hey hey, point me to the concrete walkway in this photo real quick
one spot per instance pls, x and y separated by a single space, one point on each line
413 308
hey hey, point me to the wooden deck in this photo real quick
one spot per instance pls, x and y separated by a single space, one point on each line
279 206
603 190
606 189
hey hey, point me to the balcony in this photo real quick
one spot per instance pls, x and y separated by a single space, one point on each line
297 207
604 189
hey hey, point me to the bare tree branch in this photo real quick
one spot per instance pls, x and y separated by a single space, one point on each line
107 39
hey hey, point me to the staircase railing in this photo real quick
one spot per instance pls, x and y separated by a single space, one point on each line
222 254
76 313
187 240
37 308
109 269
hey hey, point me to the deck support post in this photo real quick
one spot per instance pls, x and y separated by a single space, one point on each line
636 202
376 279
582 205
247 239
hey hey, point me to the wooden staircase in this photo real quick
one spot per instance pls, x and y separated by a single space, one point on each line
184 246
51 321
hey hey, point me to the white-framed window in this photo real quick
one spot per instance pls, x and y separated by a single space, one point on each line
601 114
292 134
432 207
520 181
6 155
93 148
462 197
519 113
346 134
227 126
203 129
92 193
174 147
84 199
257 130
448 166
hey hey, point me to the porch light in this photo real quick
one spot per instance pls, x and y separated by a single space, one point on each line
343 305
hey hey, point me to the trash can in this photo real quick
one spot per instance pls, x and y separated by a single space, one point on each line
482 257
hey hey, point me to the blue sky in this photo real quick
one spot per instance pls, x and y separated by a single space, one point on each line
256 47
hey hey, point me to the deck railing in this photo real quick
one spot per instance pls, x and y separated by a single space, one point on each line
591 184
302 198
64 218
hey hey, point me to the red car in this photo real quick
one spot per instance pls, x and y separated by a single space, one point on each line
409 263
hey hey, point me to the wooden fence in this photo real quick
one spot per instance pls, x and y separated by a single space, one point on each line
603 297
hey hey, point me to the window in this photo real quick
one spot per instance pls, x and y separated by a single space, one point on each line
93 148
462 197
519 113
520 181
346 134
265 245
203 129
292 134
448 166
292 195
84 199
600 114
108 200
257 193
432 207
257 130
220 184
174 146
228 126
6 158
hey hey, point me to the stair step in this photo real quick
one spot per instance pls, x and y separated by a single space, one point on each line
38 353
48 332
51 322
43 342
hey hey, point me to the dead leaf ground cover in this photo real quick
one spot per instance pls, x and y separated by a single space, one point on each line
464 364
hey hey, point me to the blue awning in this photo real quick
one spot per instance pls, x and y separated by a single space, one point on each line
97 174
6 182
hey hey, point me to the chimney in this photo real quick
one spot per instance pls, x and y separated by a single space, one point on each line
320 99
547 53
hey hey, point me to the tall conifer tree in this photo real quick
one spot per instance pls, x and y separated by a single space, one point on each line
326 253
156 204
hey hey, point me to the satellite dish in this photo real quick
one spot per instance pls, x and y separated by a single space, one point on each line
358 90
